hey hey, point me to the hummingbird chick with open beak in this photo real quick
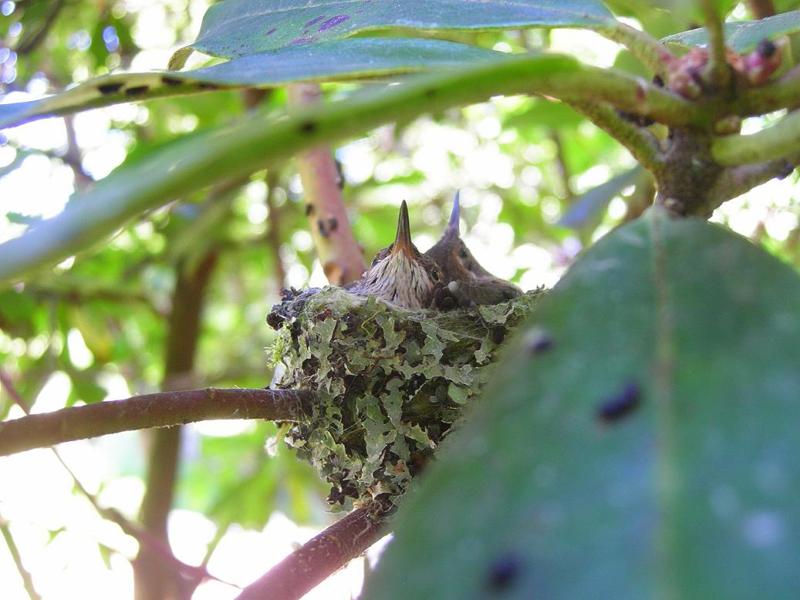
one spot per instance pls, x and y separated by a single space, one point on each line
400 274
464 282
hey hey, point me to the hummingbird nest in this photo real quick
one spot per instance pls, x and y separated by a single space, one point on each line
391 382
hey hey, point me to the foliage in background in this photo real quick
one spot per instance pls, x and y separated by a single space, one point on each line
528 167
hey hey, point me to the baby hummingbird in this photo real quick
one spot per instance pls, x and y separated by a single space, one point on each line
464 281
400 274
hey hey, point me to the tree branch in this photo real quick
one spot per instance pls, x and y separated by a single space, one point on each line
337 249
642 144
162 409
782 93
735 181
318 558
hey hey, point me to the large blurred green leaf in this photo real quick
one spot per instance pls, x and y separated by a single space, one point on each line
336 60
743 36
239 27
639 441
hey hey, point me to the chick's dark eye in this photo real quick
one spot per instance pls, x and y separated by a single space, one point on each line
462 253
435 275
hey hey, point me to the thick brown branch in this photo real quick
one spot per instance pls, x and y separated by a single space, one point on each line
338 251
317 559
163 409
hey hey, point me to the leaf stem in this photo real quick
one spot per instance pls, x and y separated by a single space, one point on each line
718 70
163 409
642 144
650 51
777 141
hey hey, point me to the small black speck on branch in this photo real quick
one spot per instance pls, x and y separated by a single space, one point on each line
308 127
163 409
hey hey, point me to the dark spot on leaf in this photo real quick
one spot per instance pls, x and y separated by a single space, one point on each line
308 127
205 85
171 80
766 48
271 31
333 22
136 90
620 405
109 88
539 342
314 21
503 572
429 93
309 210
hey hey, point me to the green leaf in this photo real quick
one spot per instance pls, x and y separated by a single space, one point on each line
255 141
240 27
690 494
743 36
587 208
331 61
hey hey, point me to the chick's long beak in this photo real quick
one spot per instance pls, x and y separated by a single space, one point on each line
402 241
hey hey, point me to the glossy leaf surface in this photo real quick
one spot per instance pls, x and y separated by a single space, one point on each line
240 27
639 441
337 60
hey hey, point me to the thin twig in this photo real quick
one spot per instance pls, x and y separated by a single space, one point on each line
27 580
642 144
163 409
735 181
719 72
318 558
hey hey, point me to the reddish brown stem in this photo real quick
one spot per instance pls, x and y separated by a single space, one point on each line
163 409
320 557
338 251
761 9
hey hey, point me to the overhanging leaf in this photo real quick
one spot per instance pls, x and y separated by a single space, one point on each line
743 36
240 27
254 142
337 60
647 450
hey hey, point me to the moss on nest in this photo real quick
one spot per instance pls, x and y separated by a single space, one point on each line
391 382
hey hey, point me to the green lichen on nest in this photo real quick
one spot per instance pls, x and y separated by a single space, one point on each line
391 382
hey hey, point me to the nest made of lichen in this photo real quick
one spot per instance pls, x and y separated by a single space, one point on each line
391 382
